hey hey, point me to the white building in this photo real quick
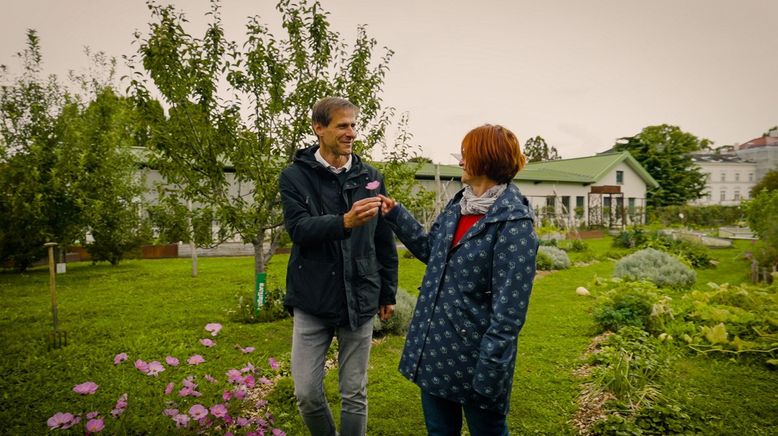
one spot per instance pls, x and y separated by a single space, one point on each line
729 178
763 151
606 189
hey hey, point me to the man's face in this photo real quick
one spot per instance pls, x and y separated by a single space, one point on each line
338 137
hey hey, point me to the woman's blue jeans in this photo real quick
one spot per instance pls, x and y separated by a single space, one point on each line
444 418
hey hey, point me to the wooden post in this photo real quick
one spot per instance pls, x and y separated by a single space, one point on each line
192 244
52 282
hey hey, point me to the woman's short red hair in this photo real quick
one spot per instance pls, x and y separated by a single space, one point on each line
492 151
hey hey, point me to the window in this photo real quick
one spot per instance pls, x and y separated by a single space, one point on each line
566 203
737 177
606 202
631 205
723 196
550 201
620 177
750 177
737 195
579 201
723 177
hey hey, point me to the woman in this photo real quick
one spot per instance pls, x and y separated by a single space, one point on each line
480 256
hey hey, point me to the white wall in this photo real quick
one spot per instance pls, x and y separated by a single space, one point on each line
738 179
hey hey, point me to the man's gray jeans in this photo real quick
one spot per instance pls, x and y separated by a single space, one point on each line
310 341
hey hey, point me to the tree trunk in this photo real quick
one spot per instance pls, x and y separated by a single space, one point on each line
259 255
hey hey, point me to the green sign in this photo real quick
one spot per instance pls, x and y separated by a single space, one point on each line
259 292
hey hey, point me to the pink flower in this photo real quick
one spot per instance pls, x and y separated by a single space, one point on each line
119 358
172 361
278 432
155 368
169 388
95 425
248 368
188 392
227 395
261 404
246 350
210 379
248 381
195 360
121 404
207 342
60 420
214 328
181 420
92 415
189 382
242 422
86 388
234 376
273 364
219 410
373 185
170 412
265 381
142 366
198 411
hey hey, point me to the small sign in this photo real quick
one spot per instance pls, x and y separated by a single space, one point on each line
61 268
259 292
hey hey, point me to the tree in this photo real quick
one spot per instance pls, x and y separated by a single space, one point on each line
663 151
104 133
768 183
760 213
236 114
66 166
537 150
38 201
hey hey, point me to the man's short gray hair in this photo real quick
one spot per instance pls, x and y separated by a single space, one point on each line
323 109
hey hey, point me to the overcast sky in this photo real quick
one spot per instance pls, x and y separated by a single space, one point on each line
580 73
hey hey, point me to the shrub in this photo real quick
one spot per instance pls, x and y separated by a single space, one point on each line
630 238
655 266
552 258
628 304
578 246
696 216
272 310
403 312
695 254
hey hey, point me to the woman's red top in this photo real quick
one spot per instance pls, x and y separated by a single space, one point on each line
465 222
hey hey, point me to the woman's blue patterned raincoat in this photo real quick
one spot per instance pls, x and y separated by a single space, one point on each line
472 303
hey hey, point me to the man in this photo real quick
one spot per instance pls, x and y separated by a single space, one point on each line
342 269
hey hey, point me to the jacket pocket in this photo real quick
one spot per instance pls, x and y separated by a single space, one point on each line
368 284
315 285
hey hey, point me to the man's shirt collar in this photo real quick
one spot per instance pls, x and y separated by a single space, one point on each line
320 159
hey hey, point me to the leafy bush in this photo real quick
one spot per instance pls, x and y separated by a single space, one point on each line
696 216
552 258
630 238
657 267
626 304
403 312
578 246
695 254
272 310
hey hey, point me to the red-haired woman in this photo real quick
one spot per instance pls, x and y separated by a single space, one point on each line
480 255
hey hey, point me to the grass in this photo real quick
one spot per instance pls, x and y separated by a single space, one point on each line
153 308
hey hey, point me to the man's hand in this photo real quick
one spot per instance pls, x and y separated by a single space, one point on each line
386 311
362 211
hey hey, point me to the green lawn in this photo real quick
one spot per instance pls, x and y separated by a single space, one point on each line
153 308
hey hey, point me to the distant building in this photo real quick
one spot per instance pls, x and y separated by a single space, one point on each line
607 189
763 151
729 178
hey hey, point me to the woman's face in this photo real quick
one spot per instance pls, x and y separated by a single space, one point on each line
466 177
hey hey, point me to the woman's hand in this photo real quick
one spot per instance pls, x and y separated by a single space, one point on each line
387 204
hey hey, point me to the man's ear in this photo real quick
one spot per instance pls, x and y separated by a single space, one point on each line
317 127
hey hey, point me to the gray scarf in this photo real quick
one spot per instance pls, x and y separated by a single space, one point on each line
472 205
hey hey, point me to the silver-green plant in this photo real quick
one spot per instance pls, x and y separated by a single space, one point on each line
552 258
657 267
403 312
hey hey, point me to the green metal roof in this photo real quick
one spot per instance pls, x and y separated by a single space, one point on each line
586 170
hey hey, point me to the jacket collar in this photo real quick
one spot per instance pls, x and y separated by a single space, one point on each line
510 205
306 156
